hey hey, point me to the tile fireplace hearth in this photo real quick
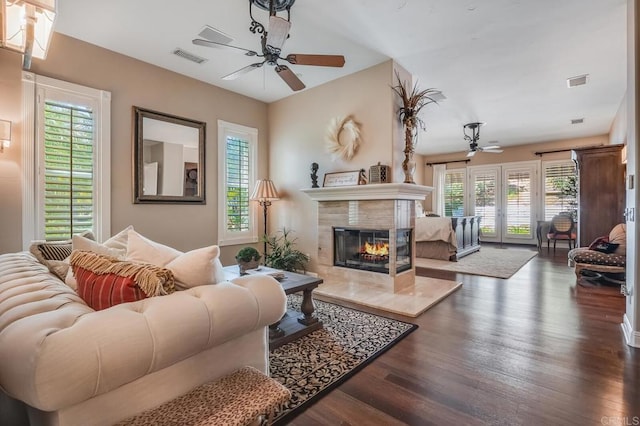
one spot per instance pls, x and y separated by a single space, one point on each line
363 212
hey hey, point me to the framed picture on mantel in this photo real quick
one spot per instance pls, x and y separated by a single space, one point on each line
341 178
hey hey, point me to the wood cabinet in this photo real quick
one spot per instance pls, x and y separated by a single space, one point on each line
601 191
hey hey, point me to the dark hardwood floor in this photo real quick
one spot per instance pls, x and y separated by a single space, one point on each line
535 349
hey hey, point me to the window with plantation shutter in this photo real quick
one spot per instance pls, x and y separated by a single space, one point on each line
237 179
560 178
67 164
237 157
454 190
68 170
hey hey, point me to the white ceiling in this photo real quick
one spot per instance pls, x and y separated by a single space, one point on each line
504 62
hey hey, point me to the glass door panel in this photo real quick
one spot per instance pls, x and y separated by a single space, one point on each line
518 205
485 201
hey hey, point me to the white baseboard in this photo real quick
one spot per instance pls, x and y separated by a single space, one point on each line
631 337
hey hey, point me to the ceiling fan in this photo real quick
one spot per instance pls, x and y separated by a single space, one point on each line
474 128
272 40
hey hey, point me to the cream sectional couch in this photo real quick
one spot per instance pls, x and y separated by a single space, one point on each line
62 363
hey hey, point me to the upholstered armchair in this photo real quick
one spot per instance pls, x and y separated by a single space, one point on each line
606 254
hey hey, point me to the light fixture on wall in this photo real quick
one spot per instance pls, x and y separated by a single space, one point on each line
264 193
26 27
5 134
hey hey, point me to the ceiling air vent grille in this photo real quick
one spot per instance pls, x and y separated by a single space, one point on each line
578 80
212 34
577 121
189 56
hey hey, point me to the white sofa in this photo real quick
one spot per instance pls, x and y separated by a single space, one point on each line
62 363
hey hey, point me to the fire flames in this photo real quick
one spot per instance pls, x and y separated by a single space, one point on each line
376 249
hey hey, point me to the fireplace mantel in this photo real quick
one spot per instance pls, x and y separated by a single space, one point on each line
373 191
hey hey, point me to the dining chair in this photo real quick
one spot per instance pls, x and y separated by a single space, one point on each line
562 228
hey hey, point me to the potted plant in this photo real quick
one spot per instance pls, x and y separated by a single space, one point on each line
247 258
282 253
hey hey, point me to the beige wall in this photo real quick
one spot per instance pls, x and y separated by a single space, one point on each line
131 82
511 154
297 127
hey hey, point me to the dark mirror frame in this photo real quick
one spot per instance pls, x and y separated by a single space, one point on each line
138 162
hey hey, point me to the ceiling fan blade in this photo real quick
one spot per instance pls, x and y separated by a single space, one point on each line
207 43
493 151
492 147
278 33
320 60
290 78
471 154
242 71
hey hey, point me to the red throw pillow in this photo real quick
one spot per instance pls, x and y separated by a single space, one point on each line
598 241
105 281
104 291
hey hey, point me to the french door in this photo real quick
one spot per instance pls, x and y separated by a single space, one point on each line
505 197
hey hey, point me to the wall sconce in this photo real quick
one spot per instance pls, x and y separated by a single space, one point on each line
26 27
5 134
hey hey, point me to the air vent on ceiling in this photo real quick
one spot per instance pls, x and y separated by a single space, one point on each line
578 80
577 121
212 34
189 56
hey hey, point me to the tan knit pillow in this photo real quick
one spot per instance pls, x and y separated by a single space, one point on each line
618 235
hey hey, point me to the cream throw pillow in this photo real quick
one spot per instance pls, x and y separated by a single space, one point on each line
194 268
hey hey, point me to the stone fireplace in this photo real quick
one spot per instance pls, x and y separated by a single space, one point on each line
381 215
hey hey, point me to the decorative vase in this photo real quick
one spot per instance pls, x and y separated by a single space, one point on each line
408 165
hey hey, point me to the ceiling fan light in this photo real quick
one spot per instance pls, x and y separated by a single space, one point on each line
27 26
278 32
278 5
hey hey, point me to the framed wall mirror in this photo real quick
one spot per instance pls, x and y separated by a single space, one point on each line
168 158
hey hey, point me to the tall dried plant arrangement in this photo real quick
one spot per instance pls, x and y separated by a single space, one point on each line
413 101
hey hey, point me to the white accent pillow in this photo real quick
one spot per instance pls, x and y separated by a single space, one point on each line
119 241
194 268
85 244
197 267
141 249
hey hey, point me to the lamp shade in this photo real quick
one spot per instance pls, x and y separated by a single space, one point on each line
27 25
265 190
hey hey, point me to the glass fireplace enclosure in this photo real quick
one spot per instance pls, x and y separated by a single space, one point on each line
369 250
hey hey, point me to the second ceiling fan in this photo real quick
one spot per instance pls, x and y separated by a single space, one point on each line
272 40
474 129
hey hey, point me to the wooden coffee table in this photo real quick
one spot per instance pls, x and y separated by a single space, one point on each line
293 324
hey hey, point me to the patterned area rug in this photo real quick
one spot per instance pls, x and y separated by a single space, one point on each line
318 362
489 262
